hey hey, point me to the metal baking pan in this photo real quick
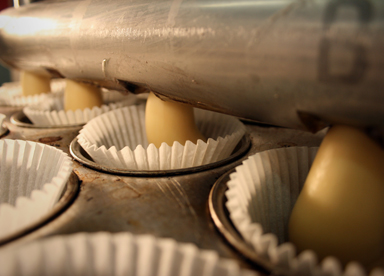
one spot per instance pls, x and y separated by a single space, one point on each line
220 217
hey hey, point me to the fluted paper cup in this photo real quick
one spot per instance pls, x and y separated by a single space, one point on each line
261 195
32 178
11 93
51 111
117 139
114 254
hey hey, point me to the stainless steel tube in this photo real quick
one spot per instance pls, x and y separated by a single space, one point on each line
291 63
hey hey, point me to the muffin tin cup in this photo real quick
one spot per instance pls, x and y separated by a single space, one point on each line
260 197
80 155
51 113
32 179
117 140
11 94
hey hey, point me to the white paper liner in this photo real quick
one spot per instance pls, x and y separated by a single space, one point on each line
115 254
11 93
117 139
261 195
32 178
51 111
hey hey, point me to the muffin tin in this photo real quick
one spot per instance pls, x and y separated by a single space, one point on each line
164 205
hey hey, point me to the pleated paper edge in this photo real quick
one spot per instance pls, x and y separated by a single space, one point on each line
16 99
103 155
78 117
52 189
283 257
102 253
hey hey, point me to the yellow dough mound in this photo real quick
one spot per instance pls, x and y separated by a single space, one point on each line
79 95
167 122
34 84
340 211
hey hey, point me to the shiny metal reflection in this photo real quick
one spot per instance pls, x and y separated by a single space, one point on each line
220 217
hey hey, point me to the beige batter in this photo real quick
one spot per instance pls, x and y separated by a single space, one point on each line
168 121
340 210
80 95
34 84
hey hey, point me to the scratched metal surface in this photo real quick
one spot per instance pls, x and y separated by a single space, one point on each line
174 206
283 62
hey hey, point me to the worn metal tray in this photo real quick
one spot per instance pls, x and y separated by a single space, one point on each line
164 205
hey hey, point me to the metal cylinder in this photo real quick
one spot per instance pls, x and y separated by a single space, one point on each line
293 63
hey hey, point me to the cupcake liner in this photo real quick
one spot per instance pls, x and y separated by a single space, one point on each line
51 111
260 197
32 178
117 139
114 254
11 93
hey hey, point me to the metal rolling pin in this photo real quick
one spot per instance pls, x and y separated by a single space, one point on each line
292 63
